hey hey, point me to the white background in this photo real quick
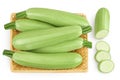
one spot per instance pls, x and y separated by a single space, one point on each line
88 7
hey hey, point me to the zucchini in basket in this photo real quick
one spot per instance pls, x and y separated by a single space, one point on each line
29 24
55 17
41 38
45 61
66 46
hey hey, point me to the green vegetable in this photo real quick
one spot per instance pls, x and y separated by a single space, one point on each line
55 17
102 22
45 61
106 66
102 55
42 38
102 45
66 46
27 24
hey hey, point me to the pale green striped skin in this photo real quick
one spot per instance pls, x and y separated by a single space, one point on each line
62 47
28 24
48 61
56 17
41 38
102 23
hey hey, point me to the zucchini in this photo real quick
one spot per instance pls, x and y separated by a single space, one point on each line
27 24
102 45
45 61
66 46
102 22
106 66
102 55
35 39
54 17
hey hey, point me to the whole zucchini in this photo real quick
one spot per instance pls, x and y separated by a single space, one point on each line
29 24
66 46
45 61
55 17
41 38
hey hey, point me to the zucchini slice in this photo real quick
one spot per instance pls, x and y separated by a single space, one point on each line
102 45
106 66
102 55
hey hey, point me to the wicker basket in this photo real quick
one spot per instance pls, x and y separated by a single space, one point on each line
81 68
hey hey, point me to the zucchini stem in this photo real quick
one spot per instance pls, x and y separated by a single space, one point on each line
86 30
21 15
87 44
8 53
10 25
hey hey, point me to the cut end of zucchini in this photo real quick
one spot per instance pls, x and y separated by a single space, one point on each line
101 34
106 66
102 45
102 55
